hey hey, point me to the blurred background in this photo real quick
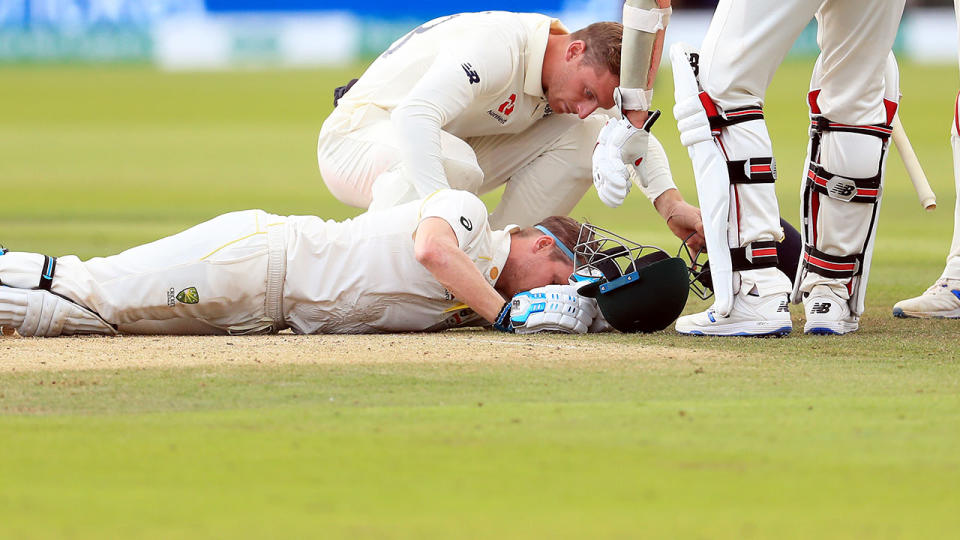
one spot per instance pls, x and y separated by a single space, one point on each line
217 34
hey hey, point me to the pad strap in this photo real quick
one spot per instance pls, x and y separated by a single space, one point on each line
831 266
820 124
859 190
46 276
752 171
759 254
339 91
720 119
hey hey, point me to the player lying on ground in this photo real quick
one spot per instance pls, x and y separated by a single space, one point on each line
477 100
425 265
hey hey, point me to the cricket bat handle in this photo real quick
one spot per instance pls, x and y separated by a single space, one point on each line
927 198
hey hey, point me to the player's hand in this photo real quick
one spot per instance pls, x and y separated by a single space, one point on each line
554 308
685 221
620 149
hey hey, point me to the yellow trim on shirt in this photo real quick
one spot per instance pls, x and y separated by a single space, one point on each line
457 307
427 198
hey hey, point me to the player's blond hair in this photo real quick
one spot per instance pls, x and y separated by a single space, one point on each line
603 41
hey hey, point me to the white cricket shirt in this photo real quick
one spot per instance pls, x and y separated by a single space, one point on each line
361 276
470 74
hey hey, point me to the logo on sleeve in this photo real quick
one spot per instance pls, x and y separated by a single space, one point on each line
507 106
504 110
472 75
466 223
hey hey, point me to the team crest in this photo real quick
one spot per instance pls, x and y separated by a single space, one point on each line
188 296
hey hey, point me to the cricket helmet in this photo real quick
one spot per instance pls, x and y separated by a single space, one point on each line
638 288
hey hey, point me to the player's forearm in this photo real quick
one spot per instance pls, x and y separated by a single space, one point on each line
667 203
439 253
418 135
641 53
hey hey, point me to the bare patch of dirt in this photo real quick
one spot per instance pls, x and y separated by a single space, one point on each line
460 347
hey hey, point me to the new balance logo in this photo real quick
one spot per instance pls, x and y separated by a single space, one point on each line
782 308
472 75
820 308
842 190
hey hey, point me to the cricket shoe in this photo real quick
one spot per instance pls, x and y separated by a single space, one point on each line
751 315
941 300
828 313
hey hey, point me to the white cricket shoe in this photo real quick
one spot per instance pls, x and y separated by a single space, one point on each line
751 316
941 300
828 313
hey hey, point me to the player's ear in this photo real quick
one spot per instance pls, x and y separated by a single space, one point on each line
575 49
543 242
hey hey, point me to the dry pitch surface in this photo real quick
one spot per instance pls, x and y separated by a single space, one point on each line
455 347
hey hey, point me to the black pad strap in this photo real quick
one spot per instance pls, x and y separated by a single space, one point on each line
752 171
720 119
339 91
760 254
831 266
860 190
46 274
820 124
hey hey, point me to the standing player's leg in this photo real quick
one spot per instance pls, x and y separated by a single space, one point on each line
546 168
745 43
852 105
942 299
221 276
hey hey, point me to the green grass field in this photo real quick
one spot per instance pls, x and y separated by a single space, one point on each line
468 434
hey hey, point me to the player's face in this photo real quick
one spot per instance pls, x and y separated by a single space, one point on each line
578 88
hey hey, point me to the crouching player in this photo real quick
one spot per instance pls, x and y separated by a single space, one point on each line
425 265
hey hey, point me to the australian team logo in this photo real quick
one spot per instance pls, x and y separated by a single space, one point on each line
188 296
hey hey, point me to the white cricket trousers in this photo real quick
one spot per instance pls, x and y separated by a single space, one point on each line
952 269
234 264
546 169
748 39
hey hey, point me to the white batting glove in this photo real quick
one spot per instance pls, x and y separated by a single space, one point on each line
554 308
599 323
620 149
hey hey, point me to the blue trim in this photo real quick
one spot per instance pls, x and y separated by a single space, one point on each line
556 240
956 292
46 271
619 282
535 307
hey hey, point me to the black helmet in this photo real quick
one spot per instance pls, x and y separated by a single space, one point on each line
638 288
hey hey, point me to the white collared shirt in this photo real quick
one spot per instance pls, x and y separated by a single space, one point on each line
361 275
469 74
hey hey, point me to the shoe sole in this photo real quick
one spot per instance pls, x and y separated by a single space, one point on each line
778 332
839 330
901 314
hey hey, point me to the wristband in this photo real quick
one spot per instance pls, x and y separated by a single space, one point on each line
503 323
